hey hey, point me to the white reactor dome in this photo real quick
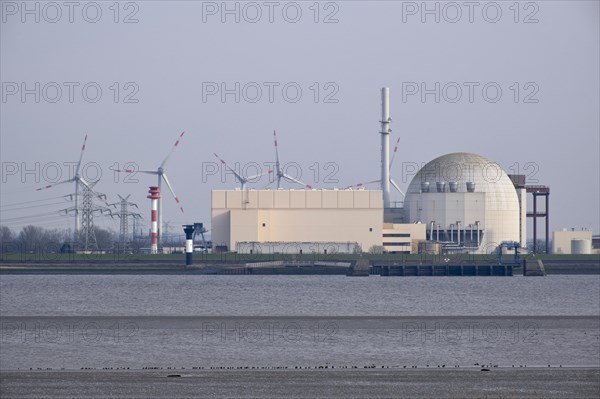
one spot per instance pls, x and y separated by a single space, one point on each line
466 200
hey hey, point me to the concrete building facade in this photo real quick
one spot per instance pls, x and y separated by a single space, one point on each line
562 240
292 216
303 220
402 238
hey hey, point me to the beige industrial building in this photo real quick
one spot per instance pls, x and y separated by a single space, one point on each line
459 202
402 238
305 221
572 241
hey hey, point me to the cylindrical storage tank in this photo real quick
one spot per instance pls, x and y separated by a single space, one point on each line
581 246
425 187
470 187
453 186
441 186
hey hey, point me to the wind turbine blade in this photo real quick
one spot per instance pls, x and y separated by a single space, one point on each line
296 181
240 178
394 154
126 170
277 168
149 172
55 184
172 192
269 185
249 179
172 149
268 172
393 183
89 187
86 184
364 184
81 156
271 179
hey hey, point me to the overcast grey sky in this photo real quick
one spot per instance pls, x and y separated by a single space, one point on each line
172 60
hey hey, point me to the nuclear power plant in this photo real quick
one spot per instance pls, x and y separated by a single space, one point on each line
458 202
467 202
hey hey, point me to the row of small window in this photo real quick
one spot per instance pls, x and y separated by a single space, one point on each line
397 244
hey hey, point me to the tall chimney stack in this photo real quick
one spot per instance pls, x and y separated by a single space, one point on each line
385 146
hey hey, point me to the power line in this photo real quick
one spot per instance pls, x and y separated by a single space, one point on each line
33 201
55 221
32 206
38 215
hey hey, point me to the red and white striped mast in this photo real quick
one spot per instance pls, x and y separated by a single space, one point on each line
154 197
162 176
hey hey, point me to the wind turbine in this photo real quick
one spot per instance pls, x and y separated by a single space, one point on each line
160 172
243 180
392 182
79 181
280 174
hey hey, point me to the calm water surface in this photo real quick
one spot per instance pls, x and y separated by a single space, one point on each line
99 295
74 321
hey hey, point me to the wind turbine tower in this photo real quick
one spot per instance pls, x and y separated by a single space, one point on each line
243 180
162 175
80 182
279 173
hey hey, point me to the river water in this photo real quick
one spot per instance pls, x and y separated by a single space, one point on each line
144 321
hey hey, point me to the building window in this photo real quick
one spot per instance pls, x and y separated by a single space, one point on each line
370 229
397 235
264 225
396 244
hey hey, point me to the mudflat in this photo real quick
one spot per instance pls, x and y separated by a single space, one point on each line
305 383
